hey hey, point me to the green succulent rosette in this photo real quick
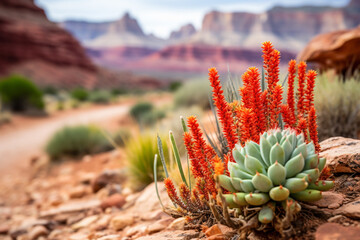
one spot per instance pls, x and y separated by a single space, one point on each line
281 169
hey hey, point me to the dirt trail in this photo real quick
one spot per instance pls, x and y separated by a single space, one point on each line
28 139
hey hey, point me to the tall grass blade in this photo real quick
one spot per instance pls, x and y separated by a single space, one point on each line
263 79
183 124
177 157
155 180
161 152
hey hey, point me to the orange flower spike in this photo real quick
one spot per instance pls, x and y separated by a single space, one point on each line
288 118
197 136
218 166
201 153
302 127
248 129
313 129
185 193
223 109
195 166
200 186
290 90
276 106
310 76
171 191
301 90
252 81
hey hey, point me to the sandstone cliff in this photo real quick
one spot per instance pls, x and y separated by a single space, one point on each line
33 46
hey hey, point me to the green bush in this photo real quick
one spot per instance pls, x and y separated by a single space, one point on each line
121 136
100 96
75 141
337 105
140 152
18 94
175 86
193 93
118 91
80 94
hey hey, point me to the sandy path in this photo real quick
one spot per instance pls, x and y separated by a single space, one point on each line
26 141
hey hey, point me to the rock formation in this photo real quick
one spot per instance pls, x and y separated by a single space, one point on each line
32 46
337 50
185 32
123 32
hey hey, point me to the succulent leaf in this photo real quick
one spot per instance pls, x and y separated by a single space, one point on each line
277 153
279 193
277 173
254 165
294 165
247 186
311 161
239 199
265 148
296 184
308 195
257 199
321 185
266 214
225 182
261 182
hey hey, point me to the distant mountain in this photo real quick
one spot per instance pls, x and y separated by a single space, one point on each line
123 32
224 37
287 27
184 33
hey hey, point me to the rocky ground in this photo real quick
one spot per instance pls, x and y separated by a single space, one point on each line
88 199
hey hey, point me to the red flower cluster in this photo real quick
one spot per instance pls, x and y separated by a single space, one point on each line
223 109
242 121
201 156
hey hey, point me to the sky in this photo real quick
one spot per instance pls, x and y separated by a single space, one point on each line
160 17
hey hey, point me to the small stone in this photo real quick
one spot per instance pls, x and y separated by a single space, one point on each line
159 225
38 231
330 200
155 215
4 229
178 224
335 218
218 231
121 221
137 231
78 192
351 210
17 232
108 177
85 222
102 223
116 200
111 237
78 236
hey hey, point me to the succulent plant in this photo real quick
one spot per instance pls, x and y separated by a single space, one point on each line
281 169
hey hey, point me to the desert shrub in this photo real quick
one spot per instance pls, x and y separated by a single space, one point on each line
121 136
193 93
338 107
49 90
100 96
19 94
145 113
77 141
80 94
118 91
175 86
140 153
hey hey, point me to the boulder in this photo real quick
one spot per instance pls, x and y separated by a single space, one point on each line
334 231
351 210
330 200
342 154
337 50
